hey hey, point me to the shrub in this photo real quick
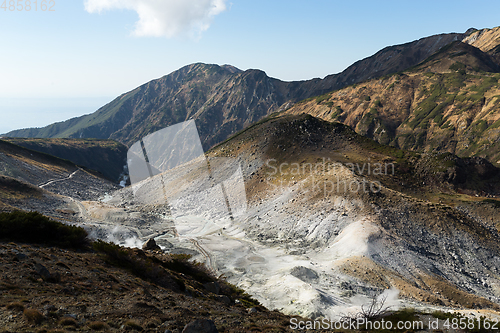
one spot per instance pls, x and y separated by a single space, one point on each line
457 66
442 315
35 228
322 98
17 306
33 316
142 266
98 326
131 324
68 321
179 263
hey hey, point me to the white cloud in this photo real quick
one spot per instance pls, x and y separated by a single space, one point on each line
165 18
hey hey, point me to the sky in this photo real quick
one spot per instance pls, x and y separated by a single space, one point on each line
68 58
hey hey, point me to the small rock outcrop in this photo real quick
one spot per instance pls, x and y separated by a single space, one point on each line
200 326
151 245
45 274
213 287
303 273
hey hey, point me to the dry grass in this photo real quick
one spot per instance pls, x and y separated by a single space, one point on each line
33 316
16 306
98 326
68 321
132 324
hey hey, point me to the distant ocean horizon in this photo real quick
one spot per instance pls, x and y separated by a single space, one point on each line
18 113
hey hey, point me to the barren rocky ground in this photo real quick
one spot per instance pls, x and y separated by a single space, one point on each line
83 292
300 247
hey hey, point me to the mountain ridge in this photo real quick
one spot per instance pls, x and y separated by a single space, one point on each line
222 98
448 103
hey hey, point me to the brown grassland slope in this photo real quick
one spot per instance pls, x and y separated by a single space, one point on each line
449 103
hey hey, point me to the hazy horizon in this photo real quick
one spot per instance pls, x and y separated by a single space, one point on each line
40 112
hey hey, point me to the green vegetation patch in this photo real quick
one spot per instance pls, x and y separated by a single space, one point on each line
457 66
478 127
322 98
137 263
485 85
432 107
174 271
337 113
496 203
35 228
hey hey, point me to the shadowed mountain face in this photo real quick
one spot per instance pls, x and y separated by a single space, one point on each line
31 180
223 99
107 157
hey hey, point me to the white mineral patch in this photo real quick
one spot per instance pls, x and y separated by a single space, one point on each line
353 240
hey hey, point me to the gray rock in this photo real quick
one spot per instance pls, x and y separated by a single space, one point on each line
252 310
47 309
151 245
200 326
165 243
43 272
213 287
21 256
303 273
224 299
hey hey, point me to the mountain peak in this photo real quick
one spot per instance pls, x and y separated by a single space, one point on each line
484 39
231 68
224 99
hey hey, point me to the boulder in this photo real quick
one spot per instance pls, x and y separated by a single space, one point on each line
224 299
213 287
151 245
200 326
46 275
305 274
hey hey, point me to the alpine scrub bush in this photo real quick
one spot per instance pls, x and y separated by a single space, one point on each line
35 228
98 326
33 316
15 306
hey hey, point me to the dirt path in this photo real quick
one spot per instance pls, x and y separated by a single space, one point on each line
51 181
207 256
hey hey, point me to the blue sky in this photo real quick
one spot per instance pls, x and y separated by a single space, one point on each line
68 62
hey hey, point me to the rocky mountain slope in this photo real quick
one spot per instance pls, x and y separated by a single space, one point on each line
334 218
101 287
104 156
414 234
31 180
486 40
223 99
449 103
